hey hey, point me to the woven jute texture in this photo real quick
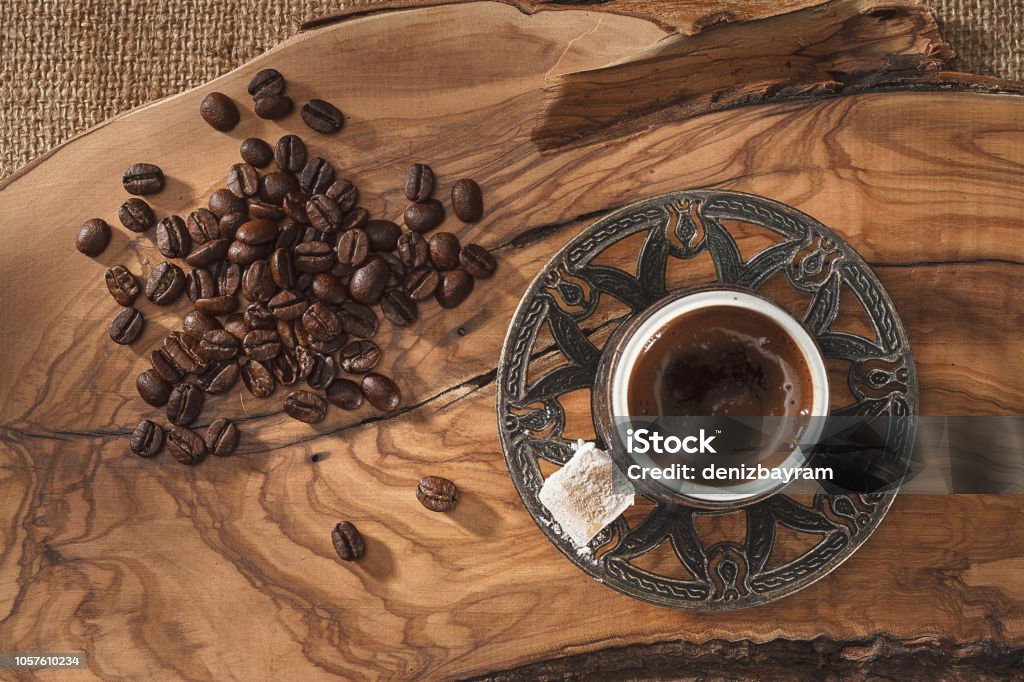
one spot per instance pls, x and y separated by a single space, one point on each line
68 65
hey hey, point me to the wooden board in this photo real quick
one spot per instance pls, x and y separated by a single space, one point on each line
226 570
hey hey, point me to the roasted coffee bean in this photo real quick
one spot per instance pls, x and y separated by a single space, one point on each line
313 257
258 283
398 308
328 288
219 377
352 248
186 446
199 284
263 210
425 216
126 326
202 226
330 346
343 193
419 182
273 107
477 261
257 316
217 305
142 179
147 439
348 543
224 201
454 288
185 404
243 180
317 176
276 186
359 357
444 251
93 237
288 304
358 319
383 234
256 152
346 394
322 116
467 200
221 437
183 352
290 153
421 283
196 323
286 330
355 219
136 215
262 344
436 493
258 378
281 268
172 238
285 368
290 235
318 369
228 277
235 323
381 392
368 282
321 322
209 253
310 235
295 206
265 83
165 284
323 213
413 250
122 285
256 232
219 111
167 371
396 269
153 388
217 345
228 224
305 406
241 253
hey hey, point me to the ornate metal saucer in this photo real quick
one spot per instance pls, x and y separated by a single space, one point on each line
674 555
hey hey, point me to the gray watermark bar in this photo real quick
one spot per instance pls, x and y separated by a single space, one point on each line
41 661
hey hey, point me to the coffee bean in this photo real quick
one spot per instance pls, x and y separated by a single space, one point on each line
257 232
153 388
186 446
142 179
381 392
258 378
93 237
266 82
359 357
398 308
295 206
257 282
162 365
185 404
217 305
228 277
477 261
229 223
421 283
273 107
126 326
413 250
241 253
276 186
165 284
147 439
202 226
290 153
290 235
330 346
467 200
436 493
172 237
321 322
243 180
352 248
288 305
323 213
221 437
328 288
196 323
346 394
122 285
419 182
257 316
218 344
311 234
322 116
305 406
281 269
348 543
313 257
368 282
199 284
184 353
224 201
454 288
317 176
256 152
219 111
355 219
425 216
235 323
219 377
358 319
285 368
396 269
209 253
316 368
262 344
343 193
444 250
136 215
383 234
264 210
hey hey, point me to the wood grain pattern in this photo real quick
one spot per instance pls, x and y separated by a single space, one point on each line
226 570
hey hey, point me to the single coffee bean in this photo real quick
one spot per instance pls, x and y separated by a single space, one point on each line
263 210
290 153
229 223
258 283
396 267
256 232
437 494
228 277
217 305
142 179
444 250
313 257
185 404
317 176
328 288
359 357
352 248
126 326
348 543
425 216
122 285
256 152
219 377
290 235
343 193
165 284
318 369
241 253
305 406
199 284
381 392
398 308
221 437
383 235
285 368
273 107
262 344
209 253
477 261
218 344
136 215
346 394
419 182
454 288
219 111
421 283
186 446
358 319
288 304
162 365
235 323
322 116
93 237
294 206
266 82
323 213
276 186
281 268
467 200
321 322
172 238
330 346
413 250
258 378
202 226
243 180
257 316
184 353
223 201
147 439
368 282
355 219
153 388
196 323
